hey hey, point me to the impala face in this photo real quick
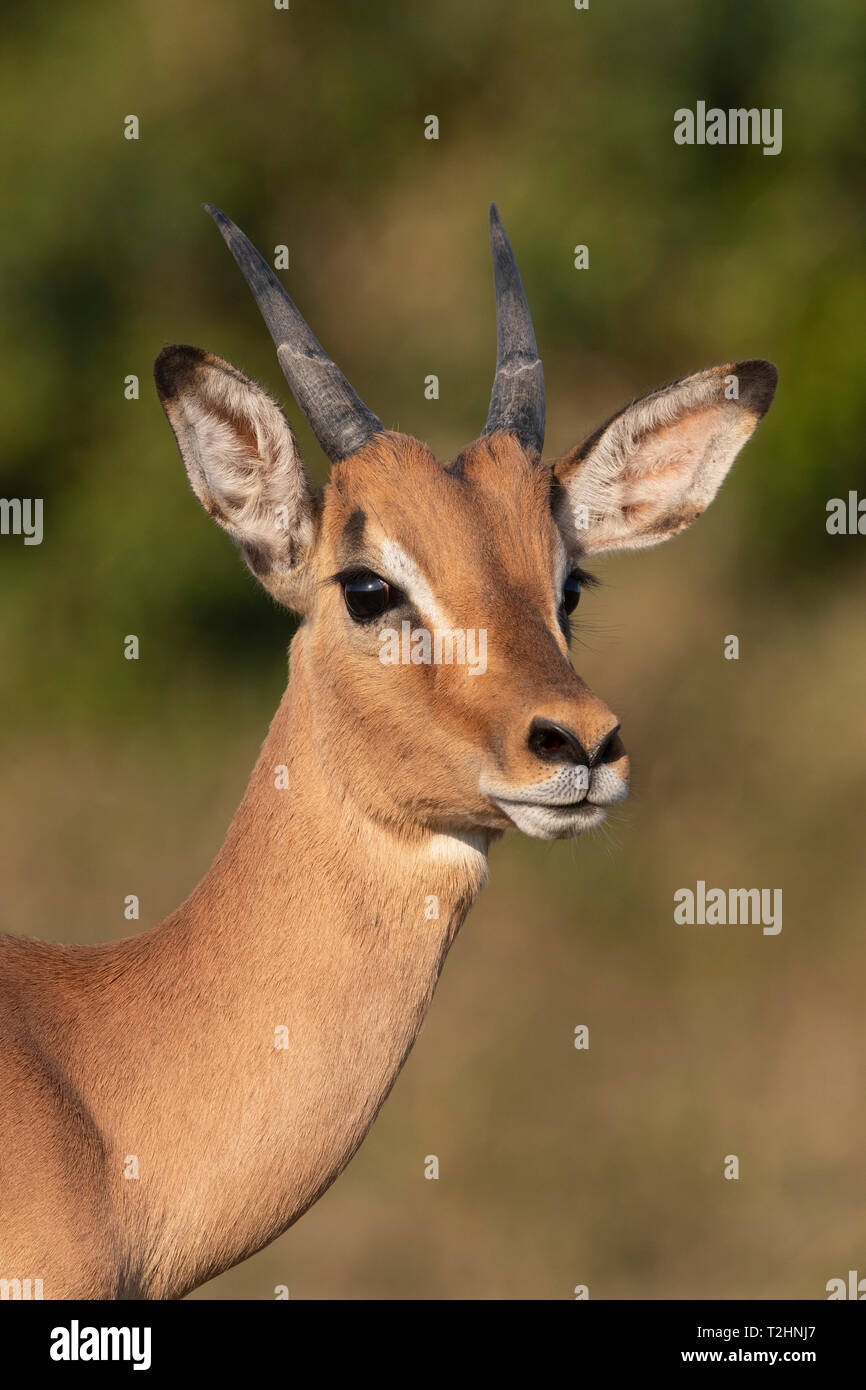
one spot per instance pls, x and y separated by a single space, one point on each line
404 565
468 548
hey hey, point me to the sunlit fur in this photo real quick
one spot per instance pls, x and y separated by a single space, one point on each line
332 903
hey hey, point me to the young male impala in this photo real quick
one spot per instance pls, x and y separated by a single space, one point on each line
377 793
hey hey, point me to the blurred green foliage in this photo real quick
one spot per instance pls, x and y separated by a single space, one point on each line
307 126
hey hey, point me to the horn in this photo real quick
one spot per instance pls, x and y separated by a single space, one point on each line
517 399
336 414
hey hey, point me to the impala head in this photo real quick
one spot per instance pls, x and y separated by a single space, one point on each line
436 596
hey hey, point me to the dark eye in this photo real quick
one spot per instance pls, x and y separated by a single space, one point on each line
367 596
571 593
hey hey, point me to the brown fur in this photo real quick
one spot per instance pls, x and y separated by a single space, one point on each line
316 913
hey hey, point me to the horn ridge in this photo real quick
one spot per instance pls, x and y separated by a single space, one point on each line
338 417
517 399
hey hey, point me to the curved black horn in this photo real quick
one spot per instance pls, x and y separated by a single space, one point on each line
517 400
336 414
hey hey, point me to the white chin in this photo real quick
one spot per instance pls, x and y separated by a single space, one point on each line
552 822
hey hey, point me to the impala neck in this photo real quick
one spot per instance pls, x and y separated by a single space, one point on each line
285 994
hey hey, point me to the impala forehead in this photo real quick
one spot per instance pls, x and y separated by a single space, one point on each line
449 535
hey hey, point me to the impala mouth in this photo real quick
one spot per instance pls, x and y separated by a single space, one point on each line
559 808
544 821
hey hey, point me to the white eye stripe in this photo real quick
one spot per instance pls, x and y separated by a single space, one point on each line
562 568
404 572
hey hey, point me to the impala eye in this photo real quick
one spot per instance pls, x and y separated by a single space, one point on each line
571 593
367 596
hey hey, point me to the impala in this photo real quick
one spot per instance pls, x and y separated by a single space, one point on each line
174 1101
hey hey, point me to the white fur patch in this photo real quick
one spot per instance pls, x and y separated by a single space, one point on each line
560 807
460 850
403 570
562 568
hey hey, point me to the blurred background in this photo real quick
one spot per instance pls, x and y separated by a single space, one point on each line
557 1167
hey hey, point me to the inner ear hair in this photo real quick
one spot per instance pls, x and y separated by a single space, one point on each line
241 459
655 465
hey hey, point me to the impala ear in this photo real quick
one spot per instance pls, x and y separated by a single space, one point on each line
654 467
243 463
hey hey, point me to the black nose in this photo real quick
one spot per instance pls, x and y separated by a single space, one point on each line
554 743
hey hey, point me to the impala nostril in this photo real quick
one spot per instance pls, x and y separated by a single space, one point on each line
550 741
554 743
609 750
